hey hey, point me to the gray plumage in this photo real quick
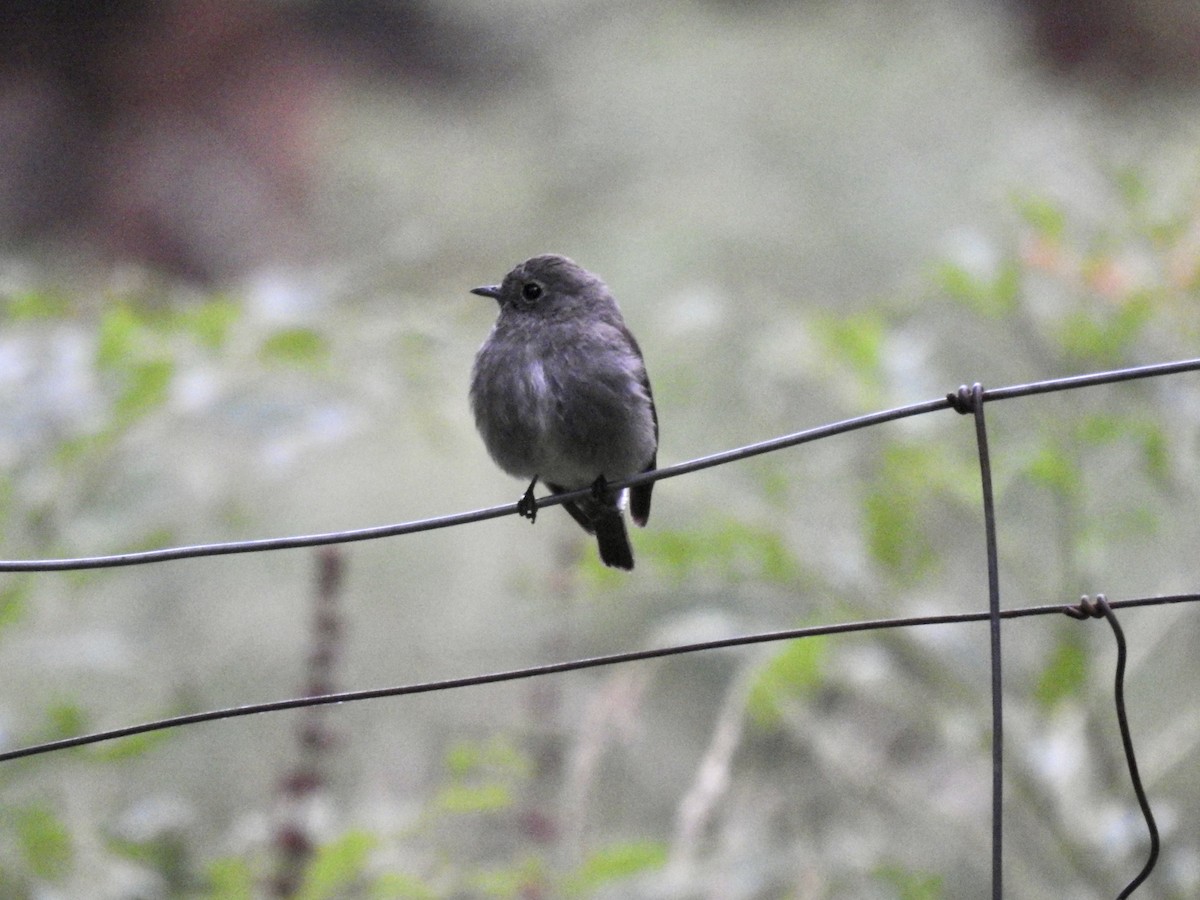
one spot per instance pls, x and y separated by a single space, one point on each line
560 394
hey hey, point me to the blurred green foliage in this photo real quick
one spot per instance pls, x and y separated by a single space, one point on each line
35 304
14 595
302 347
910 885
1066 673
136 346
790 675
337 867
1076 297
46 843
719 546
229 879
614 863
993 297
484 781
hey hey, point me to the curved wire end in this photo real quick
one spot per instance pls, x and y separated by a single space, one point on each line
1100 609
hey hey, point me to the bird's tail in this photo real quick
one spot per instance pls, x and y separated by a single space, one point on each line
612 539
607 524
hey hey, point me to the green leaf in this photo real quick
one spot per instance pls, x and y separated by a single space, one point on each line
1043 216
45 842
1052 468
211 322
73 450
1132 188
1155 455
145 389
13 597
295 346
130 747
37 304
1064 676
793 672
1006 289
398 886
726 546
462 758
910 885
479 798
1101 428
337 866
65 719
230 879
854 341
526 878
497 754
956 281
118 337
914 483
990 298
616 862
896 539
1105 337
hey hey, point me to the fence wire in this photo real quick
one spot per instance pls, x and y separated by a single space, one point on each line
966 401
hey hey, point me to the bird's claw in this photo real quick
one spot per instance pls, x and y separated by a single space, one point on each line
600 489
527 505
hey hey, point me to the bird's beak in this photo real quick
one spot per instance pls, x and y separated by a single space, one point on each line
488 290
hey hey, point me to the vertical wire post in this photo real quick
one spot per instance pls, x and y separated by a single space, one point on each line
964 401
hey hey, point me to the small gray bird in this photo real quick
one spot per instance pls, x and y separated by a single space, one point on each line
560 394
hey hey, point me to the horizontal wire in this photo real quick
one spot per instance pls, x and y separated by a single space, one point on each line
493 512
1091 380
566 666
144 557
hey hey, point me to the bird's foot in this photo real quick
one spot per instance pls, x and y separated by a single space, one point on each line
527 505
600 489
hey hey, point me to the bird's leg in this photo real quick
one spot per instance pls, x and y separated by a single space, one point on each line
600 489
527 505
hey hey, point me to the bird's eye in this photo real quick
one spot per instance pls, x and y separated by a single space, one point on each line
531 290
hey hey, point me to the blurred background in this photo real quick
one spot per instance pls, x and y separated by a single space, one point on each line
236 241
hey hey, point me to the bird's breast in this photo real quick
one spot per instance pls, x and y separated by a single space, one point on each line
564 415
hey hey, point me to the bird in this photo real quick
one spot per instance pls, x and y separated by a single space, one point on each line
560 394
